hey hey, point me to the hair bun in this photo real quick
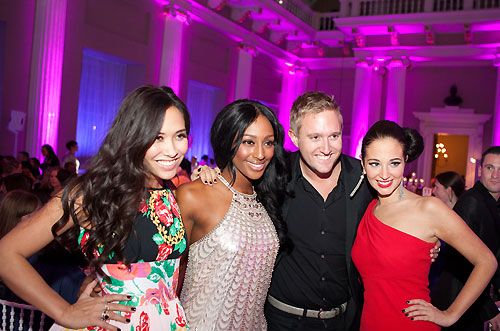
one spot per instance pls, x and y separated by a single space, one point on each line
414 143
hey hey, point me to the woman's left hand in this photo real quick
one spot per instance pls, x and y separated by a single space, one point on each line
421 310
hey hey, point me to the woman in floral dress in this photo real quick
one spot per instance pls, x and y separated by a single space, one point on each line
123 218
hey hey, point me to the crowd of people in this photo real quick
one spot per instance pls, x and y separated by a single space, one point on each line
310 240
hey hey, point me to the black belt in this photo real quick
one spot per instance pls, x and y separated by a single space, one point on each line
321 314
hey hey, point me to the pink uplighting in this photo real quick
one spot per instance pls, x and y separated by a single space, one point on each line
48 54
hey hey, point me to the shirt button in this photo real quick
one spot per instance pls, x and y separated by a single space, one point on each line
322 256
324 209
324 299
323 279
322 231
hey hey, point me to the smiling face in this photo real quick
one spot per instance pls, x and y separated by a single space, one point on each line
490 174
384 165
320 142
167 151
256 150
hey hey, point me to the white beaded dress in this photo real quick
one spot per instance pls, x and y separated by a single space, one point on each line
229 270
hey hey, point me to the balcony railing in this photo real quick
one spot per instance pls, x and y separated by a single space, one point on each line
354 8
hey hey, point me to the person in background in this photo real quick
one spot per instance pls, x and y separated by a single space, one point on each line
35 167
122 217
23 156
395 235
58 179
186 166
479 208
204 160
194 163
50 158
448 187
72 147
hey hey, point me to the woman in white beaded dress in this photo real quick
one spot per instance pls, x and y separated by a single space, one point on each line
234 227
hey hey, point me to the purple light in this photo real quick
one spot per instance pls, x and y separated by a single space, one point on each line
489 26
47 64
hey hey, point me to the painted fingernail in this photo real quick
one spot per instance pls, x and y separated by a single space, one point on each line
133 308
215 180
407 301
128 320
199 170
403 310
210 182
119 329
407 314
129 297
412 318
205 182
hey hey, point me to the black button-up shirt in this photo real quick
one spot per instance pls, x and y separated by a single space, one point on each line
314 274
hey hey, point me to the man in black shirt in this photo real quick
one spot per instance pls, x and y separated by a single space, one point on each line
315 285
479 208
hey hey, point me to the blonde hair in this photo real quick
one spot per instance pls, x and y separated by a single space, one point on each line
312 103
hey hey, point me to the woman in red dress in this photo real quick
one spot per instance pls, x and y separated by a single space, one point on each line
395 235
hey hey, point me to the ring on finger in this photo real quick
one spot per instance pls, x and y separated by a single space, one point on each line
104 315
106 306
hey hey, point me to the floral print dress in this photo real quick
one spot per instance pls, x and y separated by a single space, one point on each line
158 242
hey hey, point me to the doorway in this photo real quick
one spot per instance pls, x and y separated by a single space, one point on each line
450 154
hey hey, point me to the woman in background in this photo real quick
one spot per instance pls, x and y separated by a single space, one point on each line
50 158
448 187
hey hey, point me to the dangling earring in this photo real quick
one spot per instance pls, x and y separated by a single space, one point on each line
401 191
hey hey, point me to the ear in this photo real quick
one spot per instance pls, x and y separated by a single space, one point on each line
293 137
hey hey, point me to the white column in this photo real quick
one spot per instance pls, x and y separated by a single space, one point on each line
468 4
355 9
244 71
361 107
428 5
46 75
171 57
344 8
496 114
375 105
294 84
396 86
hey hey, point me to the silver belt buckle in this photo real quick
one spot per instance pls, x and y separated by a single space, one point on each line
319 313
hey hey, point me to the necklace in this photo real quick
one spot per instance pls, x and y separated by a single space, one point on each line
156 204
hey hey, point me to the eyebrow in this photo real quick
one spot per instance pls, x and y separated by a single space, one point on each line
318 134
394 159
253 136
176 132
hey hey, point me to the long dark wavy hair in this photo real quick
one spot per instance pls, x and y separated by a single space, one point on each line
106 198
226 136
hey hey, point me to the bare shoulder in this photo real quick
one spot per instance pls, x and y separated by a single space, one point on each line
431 204
188 192
195 194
